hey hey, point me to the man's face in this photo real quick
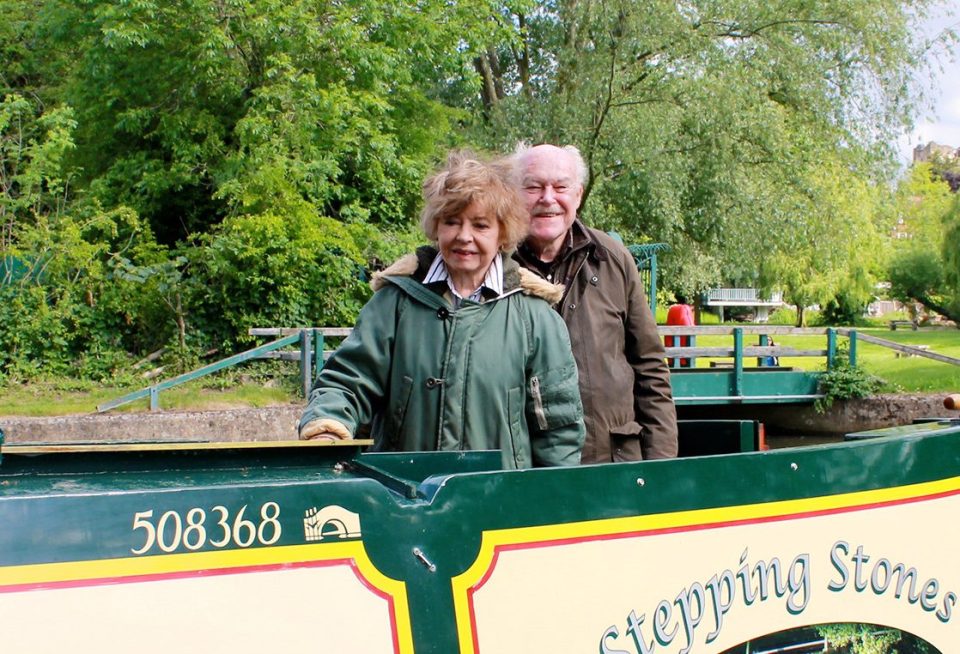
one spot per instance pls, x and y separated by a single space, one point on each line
552 193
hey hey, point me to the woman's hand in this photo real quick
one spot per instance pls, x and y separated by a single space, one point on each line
324 429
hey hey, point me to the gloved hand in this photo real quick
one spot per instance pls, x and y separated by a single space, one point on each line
324 429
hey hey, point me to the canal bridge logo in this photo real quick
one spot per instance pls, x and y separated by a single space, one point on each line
330 522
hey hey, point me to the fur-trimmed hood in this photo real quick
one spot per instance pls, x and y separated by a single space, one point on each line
514 277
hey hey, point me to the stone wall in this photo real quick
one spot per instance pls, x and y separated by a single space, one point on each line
279 422
274 423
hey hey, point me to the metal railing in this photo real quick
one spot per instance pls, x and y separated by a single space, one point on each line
310 354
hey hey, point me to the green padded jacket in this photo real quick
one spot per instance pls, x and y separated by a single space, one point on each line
425 376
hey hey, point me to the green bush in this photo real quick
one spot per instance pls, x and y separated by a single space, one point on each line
783 316
273 271
844 381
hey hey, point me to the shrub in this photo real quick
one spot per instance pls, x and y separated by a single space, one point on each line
844 381
273 271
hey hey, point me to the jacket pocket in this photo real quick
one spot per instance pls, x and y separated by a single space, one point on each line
553 399
399 402
511 446
625 442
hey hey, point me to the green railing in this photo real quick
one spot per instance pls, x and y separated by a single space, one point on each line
645 256
153 392
316 337
311 353
765 348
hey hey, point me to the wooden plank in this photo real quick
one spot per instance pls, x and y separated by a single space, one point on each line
748 351
283 356
719 330
286 331
867 338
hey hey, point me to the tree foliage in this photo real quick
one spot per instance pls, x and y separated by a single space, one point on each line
176 173
924 265
704 125
871 639
60 311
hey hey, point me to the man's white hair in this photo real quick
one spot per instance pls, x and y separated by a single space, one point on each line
523 148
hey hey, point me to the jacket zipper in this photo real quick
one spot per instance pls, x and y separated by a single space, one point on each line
538 402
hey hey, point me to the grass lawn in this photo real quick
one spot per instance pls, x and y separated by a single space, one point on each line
47 399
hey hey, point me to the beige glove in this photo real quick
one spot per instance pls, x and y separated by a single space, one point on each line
324 429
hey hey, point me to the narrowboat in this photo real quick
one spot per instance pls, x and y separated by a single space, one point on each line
246 547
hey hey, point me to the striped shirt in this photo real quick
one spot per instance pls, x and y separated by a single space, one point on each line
493 281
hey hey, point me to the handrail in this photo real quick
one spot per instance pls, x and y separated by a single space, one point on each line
153 392
747 351
285 331
312 355
764 350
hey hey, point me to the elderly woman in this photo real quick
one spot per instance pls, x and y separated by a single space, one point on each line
458 349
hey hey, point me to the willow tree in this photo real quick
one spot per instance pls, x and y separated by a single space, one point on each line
925 266
702 123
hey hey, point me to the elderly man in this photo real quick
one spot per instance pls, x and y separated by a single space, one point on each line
624 381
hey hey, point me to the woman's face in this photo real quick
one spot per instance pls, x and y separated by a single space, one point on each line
469 241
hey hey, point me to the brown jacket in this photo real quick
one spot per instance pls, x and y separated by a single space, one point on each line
624 381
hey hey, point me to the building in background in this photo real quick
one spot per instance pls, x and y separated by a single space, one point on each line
931 150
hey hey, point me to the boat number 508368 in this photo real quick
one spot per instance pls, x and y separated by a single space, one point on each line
172 531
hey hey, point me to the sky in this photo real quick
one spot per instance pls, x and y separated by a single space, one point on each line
942 123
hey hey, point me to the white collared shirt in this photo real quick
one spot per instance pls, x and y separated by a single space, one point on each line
492 280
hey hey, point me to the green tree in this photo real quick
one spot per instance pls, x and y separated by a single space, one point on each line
831 256
190 112
871 639
924 261
703 124
60 313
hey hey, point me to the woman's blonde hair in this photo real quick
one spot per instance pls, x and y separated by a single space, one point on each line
467 178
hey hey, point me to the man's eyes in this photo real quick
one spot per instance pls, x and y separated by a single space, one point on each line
539 188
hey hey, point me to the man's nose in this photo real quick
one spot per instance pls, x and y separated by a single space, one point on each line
548 196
